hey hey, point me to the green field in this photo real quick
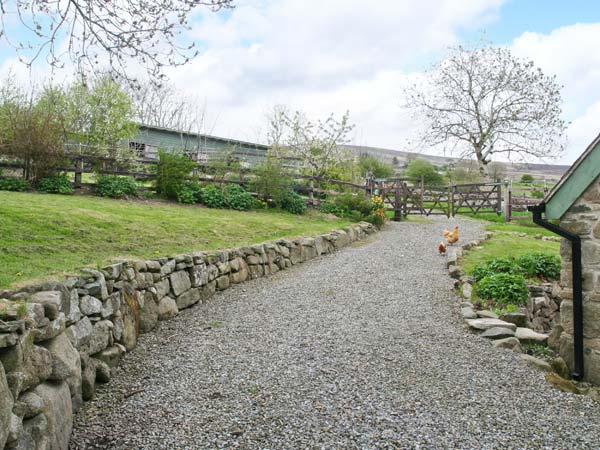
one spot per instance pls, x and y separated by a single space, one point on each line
44 236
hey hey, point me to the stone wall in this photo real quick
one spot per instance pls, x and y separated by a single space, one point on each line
58 339
583 219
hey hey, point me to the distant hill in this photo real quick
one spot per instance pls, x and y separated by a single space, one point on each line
514 170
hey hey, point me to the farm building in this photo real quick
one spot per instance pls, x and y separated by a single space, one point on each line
200 147
575 203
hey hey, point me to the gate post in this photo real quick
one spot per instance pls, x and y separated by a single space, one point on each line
450 201
507 200
499 197
397 212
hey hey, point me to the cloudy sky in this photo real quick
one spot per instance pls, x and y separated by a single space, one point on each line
324 56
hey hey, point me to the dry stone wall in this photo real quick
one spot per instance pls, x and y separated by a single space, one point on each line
59 339
583 219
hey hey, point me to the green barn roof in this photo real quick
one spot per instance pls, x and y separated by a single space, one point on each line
574 182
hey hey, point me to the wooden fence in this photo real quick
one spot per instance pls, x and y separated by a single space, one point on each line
402 196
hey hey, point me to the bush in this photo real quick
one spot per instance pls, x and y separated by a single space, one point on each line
189 193
527 179
330 207
114 186
540 265
14 184
236 197
293 203
269 181
503 288
213 197
172 171
55 184
537 193
496 265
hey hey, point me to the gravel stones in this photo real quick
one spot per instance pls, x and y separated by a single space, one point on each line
325 355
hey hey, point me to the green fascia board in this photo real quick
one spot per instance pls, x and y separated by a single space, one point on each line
575 184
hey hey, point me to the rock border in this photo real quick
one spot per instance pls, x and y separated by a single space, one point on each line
59 339
510 330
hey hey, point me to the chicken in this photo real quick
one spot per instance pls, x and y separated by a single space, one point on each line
451 236
442 248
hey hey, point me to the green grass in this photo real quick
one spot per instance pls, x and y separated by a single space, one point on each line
505 245
496 222
42 236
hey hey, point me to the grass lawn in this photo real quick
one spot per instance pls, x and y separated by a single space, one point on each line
43 236
507 244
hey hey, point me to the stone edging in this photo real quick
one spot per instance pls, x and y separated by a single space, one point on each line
58 339
510 330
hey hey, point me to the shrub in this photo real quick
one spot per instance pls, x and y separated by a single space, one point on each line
236 197
540 265
269 181
115 186
503 288
189 193
213 197
293 203
537 193
496 265
330 207
172 170
527 179
14 184
55 184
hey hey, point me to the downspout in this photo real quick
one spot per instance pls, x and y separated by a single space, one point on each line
575 240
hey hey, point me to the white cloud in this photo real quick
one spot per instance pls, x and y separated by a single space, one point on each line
322 57
571 54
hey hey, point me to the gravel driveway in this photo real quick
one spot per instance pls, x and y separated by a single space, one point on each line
359 349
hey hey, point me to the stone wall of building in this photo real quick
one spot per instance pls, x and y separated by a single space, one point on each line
583 219
59 339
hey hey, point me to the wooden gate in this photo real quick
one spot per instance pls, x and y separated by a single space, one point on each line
406 196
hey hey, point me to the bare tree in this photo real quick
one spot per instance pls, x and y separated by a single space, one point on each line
166 107
277 130
486 102
96 33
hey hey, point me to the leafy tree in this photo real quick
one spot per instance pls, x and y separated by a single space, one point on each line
527 178
99 115
369 164
485 102
395 161
420 167
31 130
96 34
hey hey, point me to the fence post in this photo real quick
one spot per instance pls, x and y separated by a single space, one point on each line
422 205
507 200
78 172
499 197
397 212
451 201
